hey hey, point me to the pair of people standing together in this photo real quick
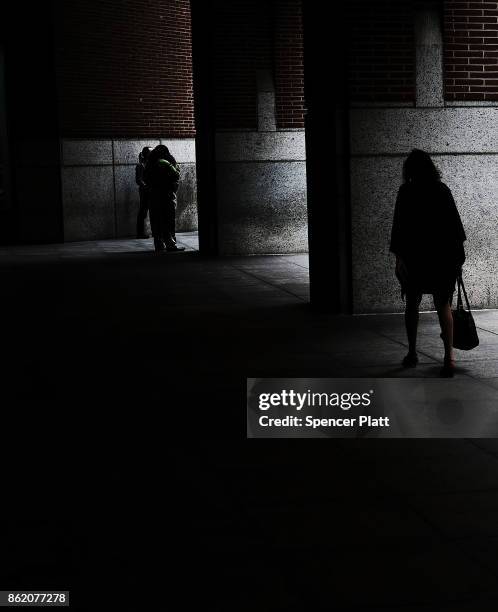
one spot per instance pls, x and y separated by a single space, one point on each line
158 177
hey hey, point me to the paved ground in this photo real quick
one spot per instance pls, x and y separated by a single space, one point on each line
126 351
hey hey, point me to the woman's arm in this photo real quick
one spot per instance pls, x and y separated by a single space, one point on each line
456 222
395 245
401 270
456 233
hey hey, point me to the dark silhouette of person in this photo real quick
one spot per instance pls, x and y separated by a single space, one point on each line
427 238
143 192
162 176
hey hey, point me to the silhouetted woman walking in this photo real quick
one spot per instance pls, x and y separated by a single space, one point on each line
427 238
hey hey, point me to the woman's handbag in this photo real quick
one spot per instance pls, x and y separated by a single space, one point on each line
465 335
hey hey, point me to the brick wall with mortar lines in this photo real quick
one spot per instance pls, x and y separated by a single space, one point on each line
252 35
124 68
243 45
471 51
381 50
289 70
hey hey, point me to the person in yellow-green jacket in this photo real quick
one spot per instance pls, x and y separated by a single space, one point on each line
162 176
143 192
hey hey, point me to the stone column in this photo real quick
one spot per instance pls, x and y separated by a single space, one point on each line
251 181
327 164
429 55
5 195
202 64
266 101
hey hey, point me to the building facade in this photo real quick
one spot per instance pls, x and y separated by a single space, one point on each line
250 97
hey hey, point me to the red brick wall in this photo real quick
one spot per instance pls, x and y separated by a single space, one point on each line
253 35
289 74
124 68
471 50
243 45
381 50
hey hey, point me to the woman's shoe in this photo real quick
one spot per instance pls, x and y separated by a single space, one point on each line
448 369
159 245
410 360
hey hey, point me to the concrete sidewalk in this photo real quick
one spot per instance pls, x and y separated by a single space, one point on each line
256 307
145 358
131 323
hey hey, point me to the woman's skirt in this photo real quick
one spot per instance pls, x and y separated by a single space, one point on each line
439 281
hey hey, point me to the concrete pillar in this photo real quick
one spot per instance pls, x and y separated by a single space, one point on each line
5 195
266 101
202 12
429 55
251 182
327 163
35 214
7 212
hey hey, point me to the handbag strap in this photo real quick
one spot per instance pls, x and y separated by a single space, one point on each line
460 303
459 298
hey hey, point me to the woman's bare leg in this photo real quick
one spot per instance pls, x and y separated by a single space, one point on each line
446 321
411 321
